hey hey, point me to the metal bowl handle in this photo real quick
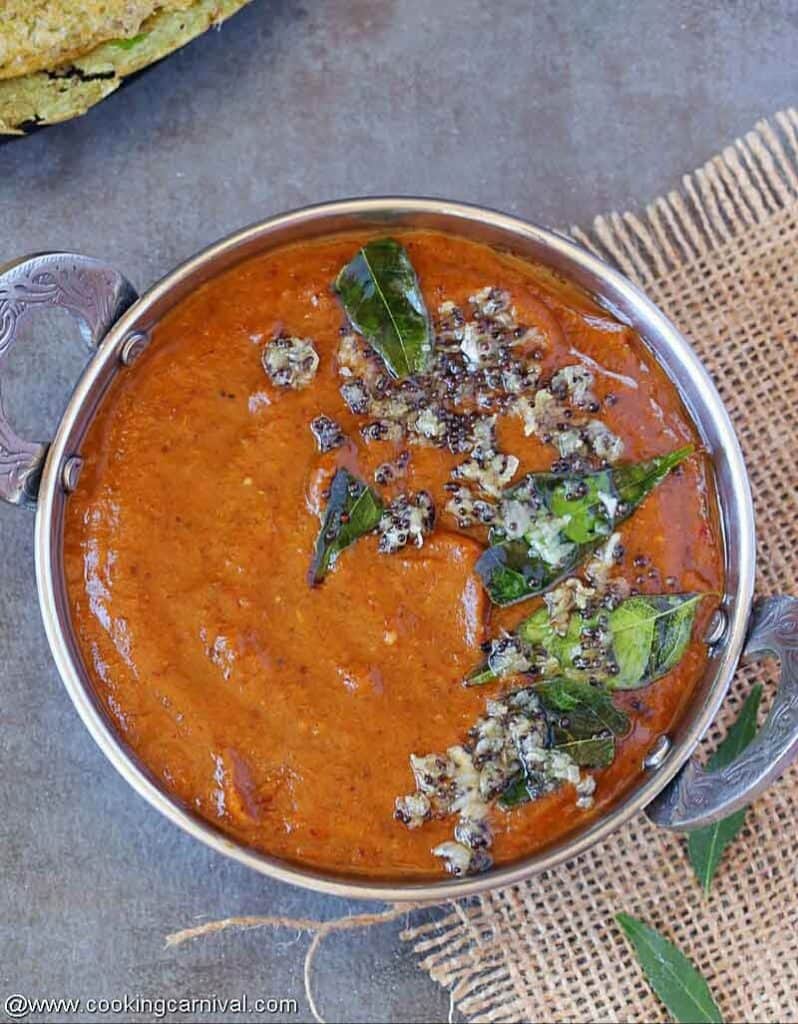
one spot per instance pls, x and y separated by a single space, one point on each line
696 797
95 294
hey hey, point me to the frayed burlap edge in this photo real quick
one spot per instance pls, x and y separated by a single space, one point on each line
718 256
748 184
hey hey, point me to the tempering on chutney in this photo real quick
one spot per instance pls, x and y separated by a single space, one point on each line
362 501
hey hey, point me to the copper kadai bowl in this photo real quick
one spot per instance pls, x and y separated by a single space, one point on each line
674 792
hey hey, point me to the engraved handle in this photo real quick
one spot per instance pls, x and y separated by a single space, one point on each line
95 294
696 797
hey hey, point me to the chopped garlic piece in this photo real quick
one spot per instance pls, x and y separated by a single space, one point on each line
408 519
492 472
290 362
546 541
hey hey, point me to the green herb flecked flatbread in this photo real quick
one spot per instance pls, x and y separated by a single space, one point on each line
38 35
47 97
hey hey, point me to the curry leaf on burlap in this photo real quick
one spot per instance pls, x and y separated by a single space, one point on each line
673 977
705 846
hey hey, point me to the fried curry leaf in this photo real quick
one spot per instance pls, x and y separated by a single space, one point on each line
596 752
639 641
510 574
673 977
583 710
538 630
705 846
583 720
558 651
569 515
353 509
583 723
515 794
649 635
382 298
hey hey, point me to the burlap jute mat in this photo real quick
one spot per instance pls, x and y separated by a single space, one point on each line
720 257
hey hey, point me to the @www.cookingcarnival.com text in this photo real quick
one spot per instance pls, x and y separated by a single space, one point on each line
21 1007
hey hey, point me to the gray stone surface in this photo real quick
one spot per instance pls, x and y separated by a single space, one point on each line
551 110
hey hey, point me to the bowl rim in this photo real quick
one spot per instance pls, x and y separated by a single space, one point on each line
88 393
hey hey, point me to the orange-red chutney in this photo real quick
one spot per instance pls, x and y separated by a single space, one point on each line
285 714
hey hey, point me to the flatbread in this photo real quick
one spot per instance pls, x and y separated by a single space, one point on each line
40 34
47 97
